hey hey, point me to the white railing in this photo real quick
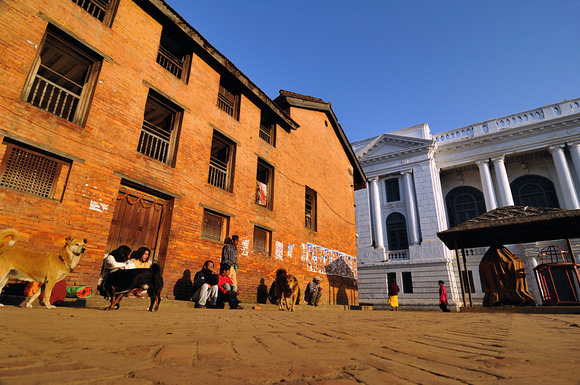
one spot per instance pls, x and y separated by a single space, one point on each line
546 113
397 255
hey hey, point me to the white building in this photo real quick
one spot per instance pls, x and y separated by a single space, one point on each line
420 184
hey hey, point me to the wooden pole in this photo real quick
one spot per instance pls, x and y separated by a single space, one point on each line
460 275
468 283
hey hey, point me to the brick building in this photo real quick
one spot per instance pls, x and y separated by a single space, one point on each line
120 123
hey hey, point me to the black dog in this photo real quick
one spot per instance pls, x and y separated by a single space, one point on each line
120 282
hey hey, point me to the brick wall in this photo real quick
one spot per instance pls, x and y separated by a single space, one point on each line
105 148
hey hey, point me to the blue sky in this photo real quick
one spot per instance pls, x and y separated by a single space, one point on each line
386 65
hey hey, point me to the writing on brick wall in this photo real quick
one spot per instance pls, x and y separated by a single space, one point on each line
279 252
322 260
245 249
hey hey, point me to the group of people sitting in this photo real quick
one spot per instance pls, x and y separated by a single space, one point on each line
211 290
122 258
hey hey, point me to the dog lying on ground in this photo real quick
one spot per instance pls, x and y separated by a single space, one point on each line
287 289
46 268
120 282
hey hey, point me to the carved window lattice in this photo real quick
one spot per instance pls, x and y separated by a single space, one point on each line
30 172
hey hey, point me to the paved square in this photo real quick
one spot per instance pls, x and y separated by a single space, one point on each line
203 346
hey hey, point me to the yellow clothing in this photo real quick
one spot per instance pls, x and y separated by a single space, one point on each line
393 301
142 265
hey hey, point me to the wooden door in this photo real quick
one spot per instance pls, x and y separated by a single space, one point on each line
139 220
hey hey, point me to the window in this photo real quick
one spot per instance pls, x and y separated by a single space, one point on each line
407 282
34 171
173 57
310 208
221 162
229 99
214 226
265 184
471 283
535 191
160 129
102 10
268 130
62 78
397 232
262 240
464 203
392 188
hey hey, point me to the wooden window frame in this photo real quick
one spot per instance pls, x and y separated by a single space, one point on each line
54 189
229 99
152 132
262 167
267 130
224 226
257 247
221 171
60 41
310 209
102 10
170 60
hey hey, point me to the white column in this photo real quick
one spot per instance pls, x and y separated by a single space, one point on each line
575 155
505 192
412 222
564 177
488 193
376 200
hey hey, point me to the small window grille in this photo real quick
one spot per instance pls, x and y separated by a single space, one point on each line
214 226
31 172
261 240
264 184
173 56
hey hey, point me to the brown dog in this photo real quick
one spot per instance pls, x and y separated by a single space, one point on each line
287 288
46 268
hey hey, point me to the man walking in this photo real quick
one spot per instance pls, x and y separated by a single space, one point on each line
443 297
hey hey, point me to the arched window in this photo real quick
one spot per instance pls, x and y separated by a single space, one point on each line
397 232
464 203
535 191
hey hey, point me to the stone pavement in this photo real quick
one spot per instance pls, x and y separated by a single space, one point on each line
182 345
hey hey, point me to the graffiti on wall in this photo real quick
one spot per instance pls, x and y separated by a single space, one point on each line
327 261
290 249
279 252
245 249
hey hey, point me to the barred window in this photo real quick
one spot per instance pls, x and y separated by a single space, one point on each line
214 226
397 232
261 240
229 99
33 172
221 162
62 78
267 130
159 132
102 10
173 56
